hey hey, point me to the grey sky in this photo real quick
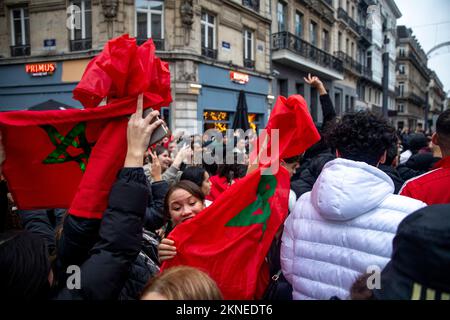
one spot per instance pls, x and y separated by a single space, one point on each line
430 21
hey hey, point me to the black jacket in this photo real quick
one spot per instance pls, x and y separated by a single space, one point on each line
310 170
416 165
394 175
105 271
154 215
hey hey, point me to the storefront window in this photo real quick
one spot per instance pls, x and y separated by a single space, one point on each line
222 120
219 120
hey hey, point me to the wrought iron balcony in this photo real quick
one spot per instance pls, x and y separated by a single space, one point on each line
81 44
210 53
18 51
249 63
349 63
252 4
343 15
366 35
159 43
286 40
366 73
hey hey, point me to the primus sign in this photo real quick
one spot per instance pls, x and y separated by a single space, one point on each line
238 77
40 69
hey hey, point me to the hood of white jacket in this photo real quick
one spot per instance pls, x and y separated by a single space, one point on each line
347 189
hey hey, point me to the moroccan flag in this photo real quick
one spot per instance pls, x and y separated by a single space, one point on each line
230 239
70 158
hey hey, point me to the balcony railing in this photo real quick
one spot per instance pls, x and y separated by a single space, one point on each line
159 43
342 14
286 40
210 53
249 63
81 44
252 4
349 63
366 35
366 72
18 51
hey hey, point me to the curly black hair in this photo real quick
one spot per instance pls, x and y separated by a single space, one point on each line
361 136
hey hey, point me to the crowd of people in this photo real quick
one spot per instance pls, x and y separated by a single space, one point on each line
364 199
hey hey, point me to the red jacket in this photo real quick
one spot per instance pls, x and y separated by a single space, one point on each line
432 187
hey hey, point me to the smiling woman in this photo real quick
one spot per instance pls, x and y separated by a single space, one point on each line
183 201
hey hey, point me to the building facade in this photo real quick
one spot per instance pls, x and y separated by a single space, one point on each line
302 43
214 48
412 82
436 100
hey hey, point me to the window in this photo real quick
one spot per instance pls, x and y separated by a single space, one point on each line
248 49
347 103
401 89
299 24
150 22
400 108
20 32
370 94
401 68
283 87
208 35
339 41
313 33
281 15
347 46
369 59
81 39
353 12
401 52
300 88
252 4
325 40
352 53
254 120
219 120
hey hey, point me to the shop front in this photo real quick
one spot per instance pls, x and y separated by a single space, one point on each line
27 84
219 97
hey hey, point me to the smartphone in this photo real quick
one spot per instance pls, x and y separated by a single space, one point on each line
159 132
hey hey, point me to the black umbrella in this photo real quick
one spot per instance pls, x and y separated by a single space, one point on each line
241 117
50 105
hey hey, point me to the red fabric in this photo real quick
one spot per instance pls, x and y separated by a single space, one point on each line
233 255
63 185
432 187
288 113
218 186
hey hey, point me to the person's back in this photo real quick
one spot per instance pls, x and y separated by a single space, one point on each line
433 187
348 220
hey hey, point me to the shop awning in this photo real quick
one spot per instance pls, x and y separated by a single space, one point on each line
50 105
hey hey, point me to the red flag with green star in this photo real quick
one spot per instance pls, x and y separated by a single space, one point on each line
70 158
230 239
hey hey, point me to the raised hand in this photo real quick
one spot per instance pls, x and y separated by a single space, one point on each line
155 170
316 83
139 132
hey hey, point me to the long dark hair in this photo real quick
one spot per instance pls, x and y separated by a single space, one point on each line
186 185
194 174
24 266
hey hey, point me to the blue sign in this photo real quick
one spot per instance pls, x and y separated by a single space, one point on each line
49 42
226 45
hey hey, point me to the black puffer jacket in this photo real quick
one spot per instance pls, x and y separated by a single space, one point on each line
310 170
105 271
416 165
143 268
154 215
394 175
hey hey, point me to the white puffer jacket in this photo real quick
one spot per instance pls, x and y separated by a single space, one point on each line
345 224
